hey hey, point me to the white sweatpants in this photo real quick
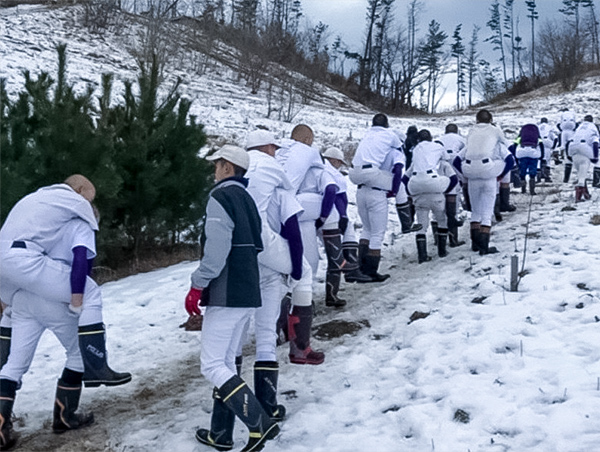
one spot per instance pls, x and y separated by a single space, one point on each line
430 202
310 244
582 164
223 330
31 316
482 193
47 278
373 211
265 317
402 196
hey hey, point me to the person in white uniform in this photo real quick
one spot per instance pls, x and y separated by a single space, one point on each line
485 161
36 256
47 242
338 235
377 170
582 149
281 258
315 192
550 140
404 207
428 179
567 126
453 143
227 282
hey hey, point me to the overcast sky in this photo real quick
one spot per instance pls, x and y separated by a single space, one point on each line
348 19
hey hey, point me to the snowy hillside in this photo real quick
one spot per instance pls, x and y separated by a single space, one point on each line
486 370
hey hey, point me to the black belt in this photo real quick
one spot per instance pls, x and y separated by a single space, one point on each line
367 166
429 171
18 244
483 161
372 188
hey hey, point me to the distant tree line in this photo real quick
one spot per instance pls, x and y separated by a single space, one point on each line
141 153
402 62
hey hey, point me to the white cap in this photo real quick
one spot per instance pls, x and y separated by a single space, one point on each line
260 138
334 153
233 154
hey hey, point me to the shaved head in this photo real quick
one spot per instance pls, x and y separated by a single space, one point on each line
82 185
303 134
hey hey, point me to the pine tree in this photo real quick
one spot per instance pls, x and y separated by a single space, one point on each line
458 53
497 37
431 54
533 16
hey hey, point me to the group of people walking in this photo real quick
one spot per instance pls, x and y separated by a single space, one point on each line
273 205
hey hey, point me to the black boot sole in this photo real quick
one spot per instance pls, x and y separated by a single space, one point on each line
202 437
63 429
256 444
96 383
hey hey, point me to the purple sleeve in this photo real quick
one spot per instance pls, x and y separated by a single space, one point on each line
328 200
513 148
542 149
595 149
453 183
397 177
79 269
341 204
405 180
509 162
291 232
457 163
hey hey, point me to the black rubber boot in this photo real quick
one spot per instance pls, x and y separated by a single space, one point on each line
422 248
406 218
332 239
505 205
586 193
441 242
372 267
568 169
332 286
241 400
92 343
266 374
578 194
532 185
351 270
282 321
474 238
68 393
299 329
497 213
515 178
434 230
466 198
523 186
453 222
8 437
5 334
596 178
222 421
363 249
484 242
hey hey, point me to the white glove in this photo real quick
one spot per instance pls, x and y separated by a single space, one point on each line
75 309
291 282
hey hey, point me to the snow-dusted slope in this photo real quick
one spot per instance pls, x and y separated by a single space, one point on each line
524 367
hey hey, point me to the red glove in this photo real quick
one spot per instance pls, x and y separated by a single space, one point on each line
192 301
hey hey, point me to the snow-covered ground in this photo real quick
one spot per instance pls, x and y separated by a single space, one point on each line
522 367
